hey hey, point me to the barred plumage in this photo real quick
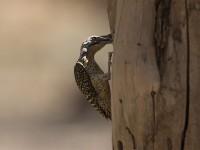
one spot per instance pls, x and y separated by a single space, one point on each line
85 85
91 80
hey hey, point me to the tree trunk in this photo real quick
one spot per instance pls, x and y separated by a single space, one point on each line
155 74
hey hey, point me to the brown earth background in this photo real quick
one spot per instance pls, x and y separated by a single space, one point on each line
40 106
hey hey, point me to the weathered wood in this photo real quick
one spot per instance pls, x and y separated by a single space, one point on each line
135 74
172 97
192 141
111 9
155 74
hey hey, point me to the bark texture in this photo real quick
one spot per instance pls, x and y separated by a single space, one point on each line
155 74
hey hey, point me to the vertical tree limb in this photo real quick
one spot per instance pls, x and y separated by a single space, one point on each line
155 74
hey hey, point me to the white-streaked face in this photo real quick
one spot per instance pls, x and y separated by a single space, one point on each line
94 43
90 41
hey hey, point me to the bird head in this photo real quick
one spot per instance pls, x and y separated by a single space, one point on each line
93 44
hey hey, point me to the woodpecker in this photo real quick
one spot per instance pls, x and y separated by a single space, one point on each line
90 78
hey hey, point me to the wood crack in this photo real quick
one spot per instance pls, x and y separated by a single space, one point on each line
161 32
132 137
120 145
187 105
154 116
127 128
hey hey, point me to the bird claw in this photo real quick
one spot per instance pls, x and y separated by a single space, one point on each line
109 63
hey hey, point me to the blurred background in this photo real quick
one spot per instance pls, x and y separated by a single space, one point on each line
41 107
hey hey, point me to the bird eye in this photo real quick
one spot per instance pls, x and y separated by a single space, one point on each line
94 38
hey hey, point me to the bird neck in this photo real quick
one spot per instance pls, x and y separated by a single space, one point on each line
90 55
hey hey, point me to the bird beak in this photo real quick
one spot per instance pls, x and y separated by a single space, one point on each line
106 39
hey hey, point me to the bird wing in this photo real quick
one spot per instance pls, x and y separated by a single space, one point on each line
85 85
